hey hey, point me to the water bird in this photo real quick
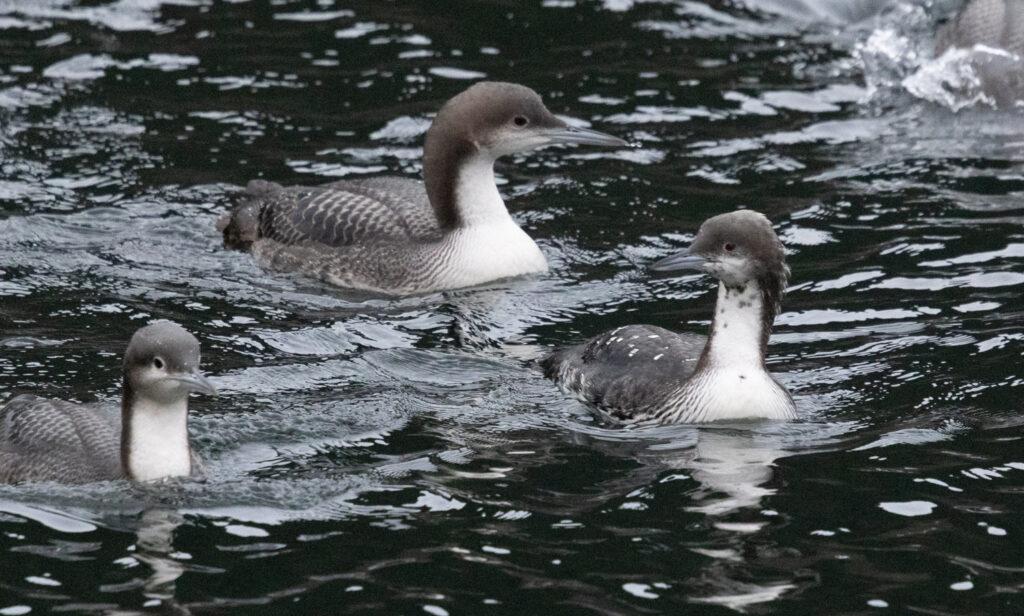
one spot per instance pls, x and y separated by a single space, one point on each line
399 236
983 48
993 23
54 440
641 372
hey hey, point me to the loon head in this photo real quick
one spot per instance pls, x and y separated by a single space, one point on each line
743 252
485 122
498 119
737 248
161 367
162 363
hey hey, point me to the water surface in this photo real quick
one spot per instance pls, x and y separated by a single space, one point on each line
402 456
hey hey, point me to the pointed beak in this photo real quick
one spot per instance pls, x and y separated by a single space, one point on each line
196 382
583 136
680 261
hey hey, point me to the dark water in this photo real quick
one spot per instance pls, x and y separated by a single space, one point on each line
380 456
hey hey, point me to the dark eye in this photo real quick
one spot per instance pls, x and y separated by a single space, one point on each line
520 121
730 246
158 363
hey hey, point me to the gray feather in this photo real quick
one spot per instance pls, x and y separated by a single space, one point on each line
618 372
995 23
338 214
53 440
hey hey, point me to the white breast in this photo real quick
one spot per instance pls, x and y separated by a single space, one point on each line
722 394
489 245
733 382
159 440
488 252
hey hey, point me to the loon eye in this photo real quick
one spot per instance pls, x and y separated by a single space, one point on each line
520 121
729 246
158 363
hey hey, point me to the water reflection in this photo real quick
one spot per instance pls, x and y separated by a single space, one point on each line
400 455
154 547
732 467
50 517
732 470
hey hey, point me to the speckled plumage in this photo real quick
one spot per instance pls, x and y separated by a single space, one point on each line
53 440
338 214
640 372
625 369
994 23
374 232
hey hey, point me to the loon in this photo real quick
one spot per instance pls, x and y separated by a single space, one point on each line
53 440
994 23
399 236
643 372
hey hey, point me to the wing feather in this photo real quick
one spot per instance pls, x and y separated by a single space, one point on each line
338 214
53 440
626 371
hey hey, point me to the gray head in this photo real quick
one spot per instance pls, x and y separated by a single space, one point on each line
162 362
491 119
500 118
737 248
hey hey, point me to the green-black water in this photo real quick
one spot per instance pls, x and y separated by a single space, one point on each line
381 456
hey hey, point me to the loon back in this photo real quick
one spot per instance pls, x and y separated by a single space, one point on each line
995 23
375 234
338 214
624 370
645 372
53 440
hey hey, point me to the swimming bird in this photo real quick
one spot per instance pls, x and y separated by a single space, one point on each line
640 372
54 440
399 236
993 23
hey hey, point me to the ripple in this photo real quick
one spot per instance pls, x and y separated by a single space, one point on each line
362 444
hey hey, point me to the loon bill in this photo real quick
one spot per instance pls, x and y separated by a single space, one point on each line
641 372
53 440
399 236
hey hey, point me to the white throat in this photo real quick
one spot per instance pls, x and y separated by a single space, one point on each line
488 245
159 439
476 194
732 382
737 328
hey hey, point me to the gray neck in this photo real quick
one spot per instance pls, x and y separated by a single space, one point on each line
154 436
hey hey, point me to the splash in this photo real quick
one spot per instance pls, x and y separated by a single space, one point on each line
899 58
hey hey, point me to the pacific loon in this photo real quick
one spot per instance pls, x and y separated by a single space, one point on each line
640 372
53 440
400 236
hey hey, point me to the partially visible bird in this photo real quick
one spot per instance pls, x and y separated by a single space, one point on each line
54 440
